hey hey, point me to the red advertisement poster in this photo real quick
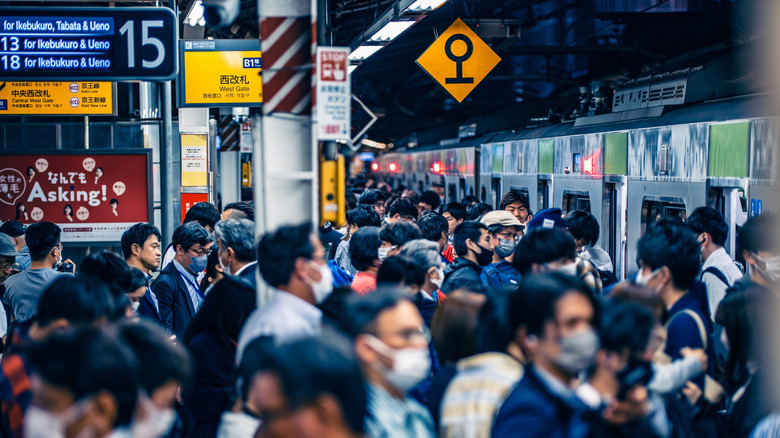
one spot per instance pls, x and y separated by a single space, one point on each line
92 196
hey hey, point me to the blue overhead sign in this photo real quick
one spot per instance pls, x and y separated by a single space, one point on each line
109 44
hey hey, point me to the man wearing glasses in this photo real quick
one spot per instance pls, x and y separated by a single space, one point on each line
391 343
177 289
505 231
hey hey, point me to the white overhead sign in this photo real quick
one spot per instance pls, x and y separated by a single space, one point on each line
333 94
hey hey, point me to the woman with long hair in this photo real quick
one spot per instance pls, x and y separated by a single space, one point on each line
21 211
68 212
211 338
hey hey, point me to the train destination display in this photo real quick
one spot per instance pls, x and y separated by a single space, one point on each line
88 43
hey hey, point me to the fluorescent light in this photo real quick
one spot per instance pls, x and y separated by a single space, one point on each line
391 30
373 144
195 15
425 5
363 52
351 68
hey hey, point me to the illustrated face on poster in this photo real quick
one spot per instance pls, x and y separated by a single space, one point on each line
89 164
37 214
119 188
82 213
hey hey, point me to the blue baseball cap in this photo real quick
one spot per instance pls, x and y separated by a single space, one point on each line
547 218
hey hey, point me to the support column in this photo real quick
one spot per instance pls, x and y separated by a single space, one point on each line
285 156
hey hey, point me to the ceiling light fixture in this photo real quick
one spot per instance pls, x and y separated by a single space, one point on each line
391 30
363 52
195 14
425 5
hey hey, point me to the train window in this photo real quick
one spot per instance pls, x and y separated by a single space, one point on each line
654 210
496 183
576 163
575 201
483 195
462 187
452 193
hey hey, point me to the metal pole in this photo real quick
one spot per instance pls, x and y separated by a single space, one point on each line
167 184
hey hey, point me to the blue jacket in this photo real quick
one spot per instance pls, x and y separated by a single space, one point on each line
532 410
501 274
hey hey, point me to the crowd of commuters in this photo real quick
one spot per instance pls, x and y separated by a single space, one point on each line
417 318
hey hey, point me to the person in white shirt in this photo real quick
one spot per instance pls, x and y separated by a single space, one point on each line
718 271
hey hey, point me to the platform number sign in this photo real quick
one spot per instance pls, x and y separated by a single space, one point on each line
110 44
458 60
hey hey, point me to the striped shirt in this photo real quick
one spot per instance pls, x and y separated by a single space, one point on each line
391 417
474 396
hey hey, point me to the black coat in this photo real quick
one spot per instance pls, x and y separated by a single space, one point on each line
460 273
176 308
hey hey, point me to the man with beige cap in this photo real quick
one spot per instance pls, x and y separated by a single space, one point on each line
505 231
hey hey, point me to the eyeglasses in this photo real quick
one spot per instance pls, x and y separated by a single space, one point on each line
201 252
506 235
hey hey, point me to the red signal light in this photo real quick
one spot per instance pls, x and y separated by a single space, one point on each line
437 167
374 166
392 167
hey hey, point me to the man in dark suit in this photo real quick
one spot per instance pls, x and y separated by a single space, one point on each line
237 254
177 289
141 248
558 314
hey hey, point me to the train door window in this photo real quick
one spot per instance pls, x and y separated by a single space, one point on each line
496 185
576 163
611 195
471 191
483 195
419 187
427 181
575 201
543 191
654 210
452 193
462 187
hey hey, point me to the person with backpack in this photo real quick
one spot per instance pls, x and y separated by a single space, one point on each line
584 227
505 231
718 272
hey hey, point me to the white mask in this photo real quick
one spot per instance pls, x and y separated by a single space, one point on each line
772 271
323 288
383 252
410 365
438 281
135 305
642 280
40 423
225 268
157 423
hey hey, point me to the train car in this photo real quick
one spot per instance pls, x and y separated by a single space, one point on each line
627 172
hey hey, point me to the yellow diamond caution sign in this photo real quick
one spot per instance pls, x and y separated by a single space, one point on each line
458 60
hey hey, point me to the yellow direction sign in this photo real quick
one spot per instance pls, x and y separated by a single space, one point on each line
458 60
221 73
61 98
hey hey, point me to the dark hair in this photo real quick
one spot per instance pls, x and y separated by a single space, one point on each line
494 331
456 210
86 361
625 325
362 310
65 210
364 216
710 221
747 317
670 243
278 250
330 368
538 296
78 300
204 213
255 355
111 269
100 168
400 269
432 225
29 168
469 199
247 211
238 234
136 279
512 197
466 230
454 324
583 226
363 247
400 232
543 245
113 201
19 207
402 207
41 237
224 311
211 266
474 212
189 234
431 198
138 234
159 359
758 234
371 197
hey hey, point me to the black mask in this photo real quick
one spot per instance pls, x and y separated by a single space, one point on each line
485 257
